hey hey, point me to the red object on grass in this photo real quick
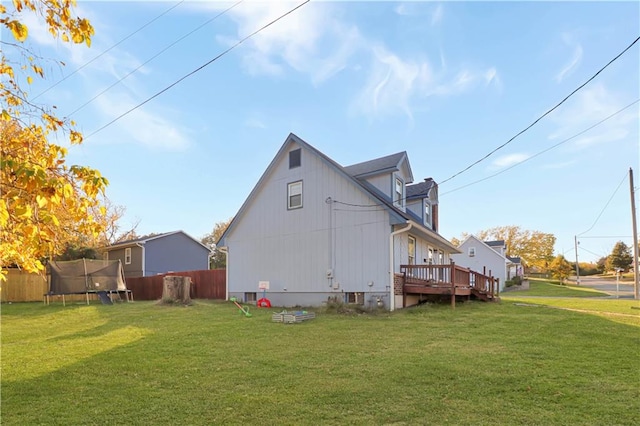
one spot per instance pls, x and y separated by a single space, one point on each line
263 303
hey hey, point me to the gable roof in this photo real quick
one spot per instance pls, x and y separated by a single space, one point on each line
144 240
421 189
397 215
482 244
380 165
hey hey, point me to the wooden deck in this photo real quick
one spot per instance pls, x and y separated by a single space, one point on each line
448 280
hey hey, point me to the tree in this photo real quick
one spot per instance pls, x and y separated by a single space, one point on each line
620 257
219 259
601 264
534 247
560 268
44 203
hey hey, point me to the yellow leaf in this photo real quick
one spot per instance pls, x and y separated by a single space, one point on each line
5 115
19 30
65 37
68 191
23 211
29 79
42 201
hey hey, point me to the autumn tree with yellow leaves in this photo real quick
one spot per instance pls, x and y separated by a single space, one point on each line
44 203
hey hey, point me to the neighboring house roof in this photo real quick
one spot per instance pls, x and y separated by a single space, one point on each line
367 168
421 189
379 165
515 260
496 243
482 243
143 240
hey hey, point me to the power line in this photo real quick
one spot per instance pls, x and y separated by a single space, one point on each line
543 115
199 68
545 150
112 47
606 205
153 57
512 166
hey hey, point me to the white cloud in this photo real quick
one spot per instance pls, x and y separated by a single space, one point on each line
573 63
509 160
297 41
588 107
143 126
254 123
437 15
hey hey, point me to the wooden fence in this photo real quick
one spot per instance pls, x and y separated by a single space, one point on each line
25 287
205 284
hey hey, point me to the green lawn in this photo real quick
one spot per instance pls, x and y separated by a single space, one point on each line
554 289
508 363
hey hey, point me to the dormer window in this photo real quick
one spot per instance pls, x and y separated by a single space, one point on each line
398 195
427 213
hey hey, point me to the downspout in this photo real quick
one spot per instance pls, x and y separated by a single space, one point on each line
225 250
392 295
144 266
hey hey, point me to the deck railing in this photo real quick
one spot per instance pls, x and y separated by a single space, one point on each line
451 277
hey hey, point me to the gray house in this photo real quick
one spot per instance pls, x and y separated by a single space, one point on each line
312 230
171 252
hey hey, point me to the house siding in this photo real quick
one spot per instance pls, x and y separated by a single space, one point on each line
174 253
293 249
134 269
486 260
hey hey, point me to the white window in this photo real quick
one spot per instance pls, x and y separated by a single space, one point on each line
294 198
427 213
472 251
430 256
127 256
412 250
398 196
440 257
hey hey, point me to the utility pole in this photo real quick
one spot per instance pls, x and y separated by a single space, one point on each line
575 238
636 289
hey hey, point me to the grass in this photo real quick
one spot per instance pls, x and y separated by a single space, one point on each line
545 288
480 364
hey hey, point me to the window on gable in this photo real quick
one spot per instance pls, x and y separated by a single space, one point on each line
295 158
294 195
412 250
127 256
427 213
472 251
398 196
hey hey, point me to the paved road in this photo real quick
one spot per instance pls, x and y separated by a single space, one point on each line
623 290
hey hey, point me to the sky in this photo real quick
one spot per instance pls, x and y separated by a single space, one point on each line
447 82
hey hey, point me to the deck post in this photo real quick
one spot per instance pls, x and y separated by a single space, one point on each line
453 285
497 292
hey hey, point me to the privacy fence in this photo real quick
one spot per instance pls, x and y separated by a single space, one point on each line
206 284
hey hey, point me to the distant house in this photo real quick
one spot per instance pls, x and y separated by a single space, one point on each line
488 257
515 268
312 230
170 252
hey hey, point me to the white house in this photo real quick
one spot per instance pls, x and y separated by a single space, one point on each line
312 229
488 257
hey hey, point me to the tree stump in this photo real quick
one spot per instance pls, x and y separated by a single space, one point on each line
176 290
